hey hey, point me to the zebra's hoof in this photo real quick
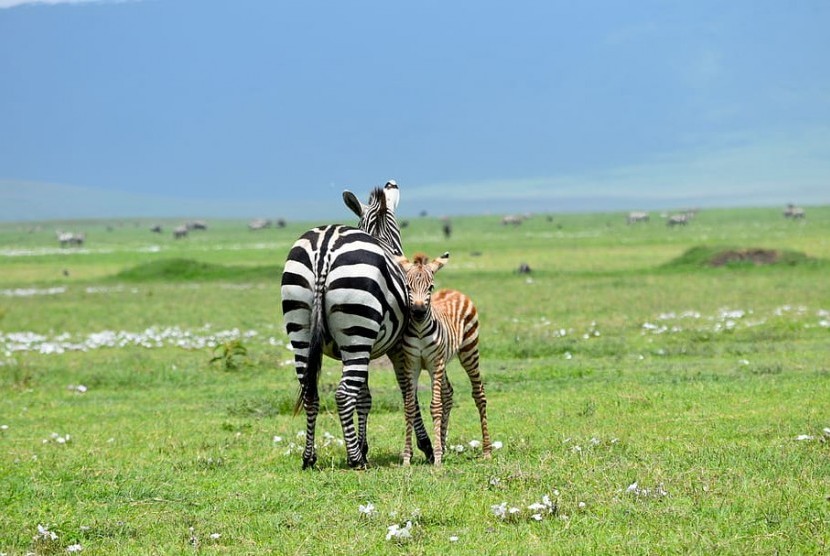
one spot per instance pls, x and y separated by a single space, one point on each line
364 449
308 463
426 448
359 464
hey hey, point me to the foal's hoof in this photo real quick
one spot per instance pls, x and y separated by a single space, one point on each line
364 449
426 448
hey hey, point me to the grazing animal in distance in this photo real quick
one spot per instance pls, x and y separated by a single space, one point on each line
677 220
197 225
259 224
794 213
180 232
70 238
344 296
441 325
636 216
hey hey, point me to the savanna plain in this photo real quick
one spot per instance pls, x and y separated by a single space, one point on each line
645 397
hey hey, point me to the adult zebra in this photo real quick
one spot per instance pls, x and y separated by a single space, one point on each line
344 295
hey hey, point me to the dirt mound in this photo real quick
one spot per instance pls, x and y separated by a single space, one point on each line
755 256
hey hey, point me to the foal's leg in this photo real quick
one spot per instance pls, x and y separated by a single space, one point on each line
436 408
407 371
469 360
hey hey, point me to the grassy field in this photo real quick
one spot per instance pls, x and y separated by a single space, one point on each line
661 405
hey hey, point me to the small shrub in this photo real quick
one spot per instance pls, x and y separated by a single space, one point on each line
232 354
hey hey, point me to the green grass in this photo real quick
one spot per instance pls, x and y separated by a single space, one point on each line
623 357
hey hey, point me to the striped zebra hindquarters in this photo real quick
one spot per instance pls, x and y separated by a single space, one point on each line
343 295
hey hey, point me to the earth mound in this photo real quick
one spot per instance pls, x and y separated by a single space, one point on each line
735 257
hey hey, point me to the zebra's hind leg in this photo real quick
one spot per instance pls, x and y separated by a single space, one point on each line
364 405
312 407
446 407
355 374
469 360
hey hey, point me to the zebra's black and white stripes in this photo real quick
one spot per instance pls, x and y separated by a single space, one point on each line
344 295
441 325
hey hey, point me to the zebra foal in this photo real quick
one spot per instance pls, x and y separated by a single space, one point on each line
344 296
441 325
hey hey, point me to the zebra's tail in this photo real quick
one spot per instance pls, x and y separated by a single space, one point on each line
308 386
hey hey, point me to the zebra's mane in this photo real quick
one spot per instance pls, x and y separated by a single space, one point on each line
379 221
377 197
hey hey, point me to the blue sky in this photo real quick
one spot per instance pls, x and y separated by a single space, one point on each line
263 108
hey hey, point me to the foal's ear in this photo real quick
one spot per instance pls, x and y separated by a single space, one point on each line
403 262
439 263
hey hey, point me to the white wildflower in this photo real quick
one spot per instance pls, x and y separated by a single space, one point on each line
497 445
805 437
494 481
458 448
74 548
453 539
368 509
632 487
44 534
537 517
474 444
215 536
499 510
395 531
581 505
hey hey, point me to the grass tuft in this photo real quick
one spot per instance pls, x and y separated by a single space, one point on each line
181 270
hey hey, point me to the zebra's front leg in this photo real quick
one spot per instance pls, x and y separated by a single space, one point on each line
354 379
407 374
410 410
364 406
421 434
436 409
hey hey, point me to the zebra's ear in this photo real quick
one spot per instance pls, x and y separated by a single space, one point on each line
353 203
393 195
439 263
403 262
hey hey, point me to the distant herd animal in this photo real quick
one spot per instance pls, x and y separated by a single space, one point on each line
794 213
68 239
